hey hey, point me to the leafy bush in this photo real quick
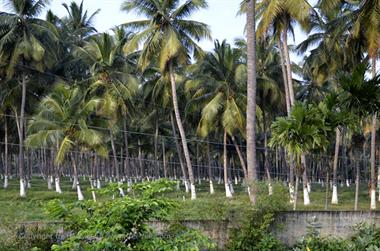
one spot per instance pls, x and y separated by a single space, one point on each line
313 241
122 223
254 233
367 237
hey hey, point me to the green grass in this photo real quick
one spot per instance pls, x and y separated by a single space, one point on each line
214 207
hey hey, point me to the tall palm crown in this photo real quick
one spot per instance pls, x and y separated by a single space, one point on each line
220 83
23 37
79 23
166 32
64 121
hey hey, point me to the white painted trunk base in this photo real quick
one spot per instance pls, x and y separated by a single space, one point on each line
373 199
121 189
29 184
58 185
75 181
22 188
228 192
236 180
291 193
49 183
187 186
308 187
80 194
231 187
306 198
347 183
212 191
98 184
5 181
270 189
193 193
93 192
334 199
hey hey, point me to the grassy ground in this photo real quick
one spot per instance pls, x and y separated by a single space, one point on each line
206 206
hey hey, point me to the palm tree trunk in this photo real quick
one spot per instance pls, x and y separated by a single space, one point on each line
241 158
179 152
373 145
164 159
357 183
212 191
284 75
334 199
327 186
288 108
156 146
182 131
266 160
141 166
251 101
115 164
373 175
79 191
21 138
6 172
127 166
225 166
306 197
288 66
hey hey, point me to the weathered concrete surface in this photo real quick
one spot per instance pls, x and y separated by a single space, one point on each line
218 231
292 226
289 227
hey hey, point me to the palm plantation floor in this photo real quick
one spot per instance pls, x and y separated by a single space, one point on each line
215 207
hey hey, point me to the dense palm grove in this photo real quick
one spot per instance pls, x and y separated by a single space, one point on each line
144 101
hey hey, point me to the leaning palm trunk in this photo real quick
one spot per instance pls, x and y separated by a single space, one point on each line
79 191
21 138
251 101
334 199
116 165
225 164
241 158
182 131
288 66
284 75
179 152
288 106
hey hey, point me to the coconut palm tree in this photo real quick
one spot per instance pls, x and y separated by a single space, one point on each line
111 76
64 122
218 84
24 47
170 37
250 10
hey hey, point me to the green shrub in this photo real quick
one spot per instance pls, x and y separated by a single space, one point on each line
254 233
122 223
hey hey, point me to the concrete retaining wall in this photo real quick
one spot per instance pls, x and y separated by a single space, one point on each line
289 227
